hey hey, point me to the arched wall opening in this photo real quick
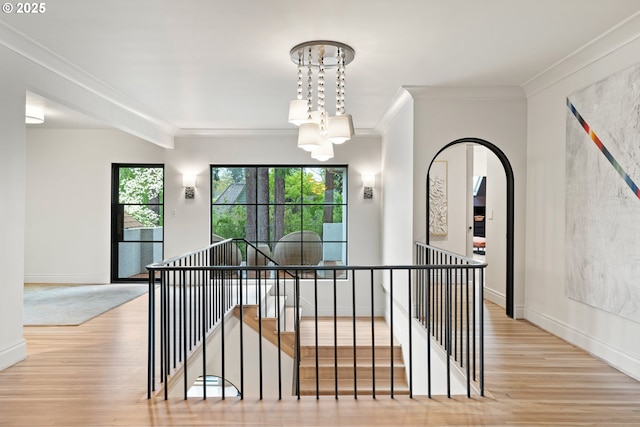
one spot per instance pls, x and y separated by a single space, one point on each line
510 202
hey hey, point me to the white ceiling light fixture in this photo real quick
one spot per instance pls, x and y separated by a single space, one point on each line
34 115
316 127
324 151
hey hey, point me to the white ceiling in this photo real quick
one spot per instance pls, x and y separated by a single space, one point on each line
224 64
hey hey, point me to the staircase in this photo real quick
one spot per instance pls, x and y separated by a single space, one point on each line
269 328
371 362
382 361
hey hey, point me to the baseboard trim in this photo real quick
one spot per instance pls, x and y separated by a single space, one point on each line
495 297
12 355
614 357
93 280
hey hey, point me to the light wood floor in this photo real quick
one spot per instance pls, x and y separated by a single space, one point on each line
95 374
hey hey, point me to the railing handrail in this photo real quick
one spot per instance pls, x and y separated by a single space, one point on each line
471 261
160 264
164 263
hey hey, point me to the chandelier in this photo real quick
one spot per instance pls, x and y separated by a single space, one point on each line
317 130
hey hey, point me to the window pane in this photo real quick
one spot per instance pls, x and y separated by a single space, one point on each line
134 257
140 185
313 185
228 185
284 185
229 221
140 216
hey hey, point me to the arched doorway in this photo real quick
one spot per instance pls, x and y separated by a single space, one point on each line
510 210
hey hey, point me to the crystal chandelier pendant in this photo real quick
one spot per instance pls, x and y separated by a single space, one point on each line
316 128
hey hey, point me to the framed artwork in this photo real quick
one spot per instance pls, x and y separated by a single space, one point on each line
438 199
602 197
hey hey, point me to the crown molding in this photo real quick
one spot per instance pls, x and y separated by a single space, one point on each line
401 98
289 132
38 54
466 92
612 40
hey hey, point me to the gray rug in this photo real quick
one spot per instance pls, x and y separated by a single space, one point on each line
74 304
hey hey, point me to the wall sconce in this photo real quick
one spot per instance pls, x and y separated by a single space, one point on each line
368 182
189 184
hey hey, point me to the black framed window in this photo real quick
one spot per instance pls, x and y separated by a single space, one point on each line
298 214
137 220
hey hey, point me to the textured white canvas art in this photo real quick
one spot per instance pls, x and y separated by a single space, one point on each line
438 202
602 199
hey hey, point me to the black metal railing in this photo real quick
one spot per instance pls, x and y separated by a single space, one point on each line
197 292
449 305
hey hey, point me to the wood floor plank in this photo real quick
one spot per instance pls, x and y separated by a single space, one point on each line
95 375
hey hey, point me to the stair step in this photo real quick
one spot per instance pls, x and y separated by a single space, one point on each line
345 387
346 371
326 351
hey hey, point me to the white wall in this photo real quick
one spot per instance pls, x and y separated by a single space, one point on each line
397 185
12 167
189 227
68 208
495 114
609 337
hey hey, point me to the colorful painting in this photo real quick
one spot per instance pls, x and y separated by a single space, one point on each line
602 196
438 203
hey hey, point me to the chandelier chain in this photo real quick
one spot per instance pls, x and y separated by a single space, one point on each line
309 87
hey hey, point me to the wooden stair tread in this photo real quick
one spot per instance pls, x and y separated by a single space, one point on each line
345 387
325 361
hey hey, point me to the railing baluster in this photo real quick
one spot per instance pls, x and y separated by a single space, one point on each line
355 341
203 322
241 341
410 319
391 310
185 334
315 322
373 343
481 322
279 338
429 326
222 340
259 302
335 333
468 370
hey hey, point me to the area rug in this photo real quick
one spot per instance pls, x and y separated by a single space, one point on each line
62 305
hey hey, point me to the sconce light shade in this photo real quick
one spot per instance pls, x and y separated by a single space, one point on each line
369 181
188 181
309 136
340 128
33 115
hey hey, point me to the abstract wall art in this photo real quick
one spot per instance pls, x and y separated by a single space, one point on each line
602 197
438 202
